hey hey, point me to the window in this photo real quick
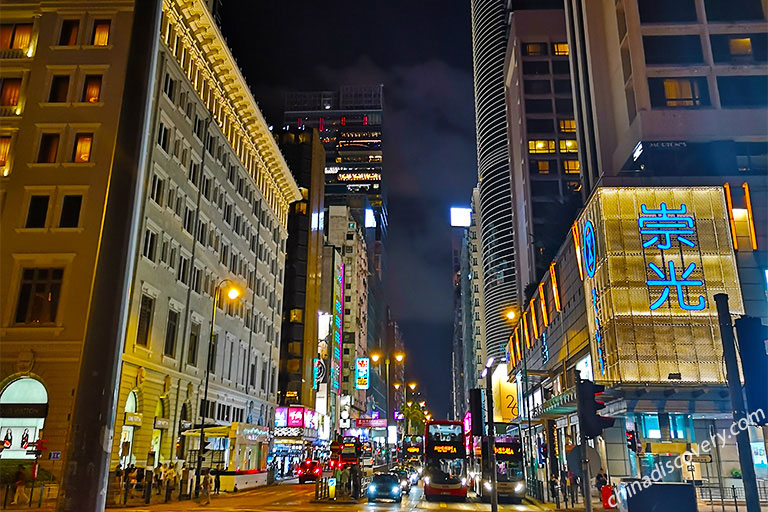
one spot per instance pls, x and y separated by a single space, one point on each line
541 146
571 166
39 295
569 146
189 220
561 67
534 49
92 89
212 354
169 86
59 89
661 11
752 156
540 126
536 68
567 125
9 92
743 91
68 35
5 149
82 149
183 273
545 188
150 244
538 106
727 10
146 309
100 33
560 49
563 106
740 46
678 92
542 166
562 87
661 50
37 212
16 36
70 211
536 87
163 137
156 191
171 329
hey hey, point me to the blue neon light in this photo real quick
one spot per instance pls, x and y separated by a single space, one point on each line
663 226
678 284
598 333
590 248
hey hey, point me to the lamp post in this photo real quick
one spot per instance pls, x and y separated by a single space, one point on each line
232 294
399 358
491 433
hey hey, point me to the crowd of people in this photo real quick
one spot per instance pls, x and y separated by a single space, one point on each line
165 480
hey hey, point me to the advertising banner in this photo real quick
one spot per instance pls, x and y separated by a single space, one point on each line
281 417
504 396
16 441
362 372
295 416
371 422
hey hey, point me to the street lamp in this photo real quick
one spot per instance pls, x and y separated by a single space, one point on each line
232 294
491 432
399 358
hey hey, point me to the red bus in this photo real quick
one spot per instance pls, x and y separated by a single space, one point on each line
445 460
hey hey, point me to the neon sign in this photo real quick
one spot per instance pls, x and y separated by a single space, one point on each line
359 176
445 449
590 264
362 372
503 450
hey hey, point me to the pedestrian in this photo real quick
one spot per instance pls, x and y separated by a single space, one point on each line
118 478
170 477
344 481
158 477
132 479
600 480
554 483
206 487
217 480
20 481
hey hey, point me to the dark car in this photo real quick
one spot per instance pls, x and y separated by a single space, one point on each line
385 486
309 470
405 480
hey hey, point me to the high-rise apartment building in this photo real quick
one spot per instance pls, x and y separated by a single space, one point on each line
303 276
542 138
501 288
212 214
346 235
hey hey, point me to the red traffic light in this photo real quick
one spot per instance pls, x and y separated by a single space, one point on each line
591 424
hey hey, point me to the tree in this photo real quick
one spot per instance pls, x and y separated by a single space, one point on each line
414 416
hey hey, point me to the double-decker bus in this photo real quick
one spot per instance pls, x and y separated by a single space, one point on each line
445 460
510 482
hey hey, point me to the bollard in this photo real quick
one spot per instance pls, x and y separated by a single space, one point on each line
148 491
167 492
125 493
40 499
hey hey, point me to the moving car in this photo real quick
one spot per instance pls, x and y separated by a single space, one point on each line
385 486
405 480
309 470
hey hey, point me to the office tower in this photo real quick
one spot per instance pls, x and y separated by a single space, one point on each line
303 268
212 214
501 289
542 138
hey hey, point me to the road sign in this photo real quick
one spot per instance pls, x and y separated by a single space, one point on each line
702 459
54 455
36 453
574 460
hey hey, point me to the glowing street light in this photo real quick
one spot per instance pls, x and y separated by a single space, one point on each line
397 385
412 385
399 357
510 315
375 357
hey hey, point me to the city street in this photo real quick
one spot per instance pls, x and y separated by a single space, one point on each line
299 498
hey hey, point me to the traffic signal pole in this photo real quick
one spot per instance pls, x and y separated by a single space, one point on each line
586 478
491 441
737 403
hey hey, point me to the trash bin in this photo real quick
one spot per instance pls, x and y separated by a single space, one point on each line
606 493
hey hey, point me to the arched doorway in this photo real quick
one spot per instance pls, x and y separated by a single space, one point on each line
23 409
130 423
157 434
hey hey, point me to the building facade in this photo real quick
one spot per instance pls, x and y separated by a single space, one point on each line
501 288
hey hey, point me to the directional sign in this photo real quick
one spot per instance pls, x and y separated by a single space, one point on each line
702 459
54 455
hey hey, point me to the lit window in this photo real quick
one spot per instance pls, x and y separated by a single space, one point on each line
82 151
571 166
568 146
15 36
681 92
5 148
92 89
39 295
101 33
560 49
740 47
543 166
567 126
534 49
541 146
49 147
9 92
68 35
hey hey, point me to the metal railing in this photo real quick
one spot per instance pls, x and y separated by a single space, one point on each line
729 494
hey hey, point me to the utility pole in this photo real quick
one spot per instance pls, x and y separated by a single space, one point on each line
85 478
491 434
737 403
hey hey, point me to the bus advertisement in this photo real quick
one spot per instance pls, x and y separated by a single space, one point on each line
445 460
510 482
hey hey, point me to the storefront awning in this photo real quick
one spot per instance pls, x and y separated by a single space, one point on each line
217 431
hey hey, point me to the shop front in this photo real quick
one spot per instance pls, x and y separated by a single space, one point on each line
295 439
23 409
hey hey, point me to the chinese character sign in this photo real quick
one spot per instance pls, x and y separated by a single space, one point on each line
295 416
362 372
652 259
281 417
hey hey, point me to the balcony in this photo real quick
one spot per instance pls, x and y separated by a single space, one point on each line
10 111
13 53
564 403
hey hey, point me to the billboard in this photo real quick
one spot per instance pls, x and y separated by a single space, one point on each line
652 260
504 396
295 416
281 417
362 372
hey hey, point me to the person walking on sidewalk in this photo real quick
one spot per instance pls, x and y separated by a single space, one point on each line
217 480
345 481
20 481
205 493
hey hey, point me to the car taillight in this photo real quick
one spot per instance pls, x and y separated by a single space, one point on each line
317 471
300 471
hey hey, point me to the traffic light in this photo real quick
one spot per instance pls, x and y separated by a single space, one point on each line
591 423
476 411
632 443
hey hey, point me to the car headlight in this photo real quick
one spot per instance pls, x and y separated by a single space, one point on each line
396 489
403 482
519 487
426 480
487 485
463 482
371 488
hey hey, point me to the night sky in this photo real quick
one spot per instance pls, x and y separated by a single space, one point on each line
421 51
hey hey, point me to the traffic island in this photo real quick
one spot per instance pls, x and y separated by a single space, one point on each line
327 490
